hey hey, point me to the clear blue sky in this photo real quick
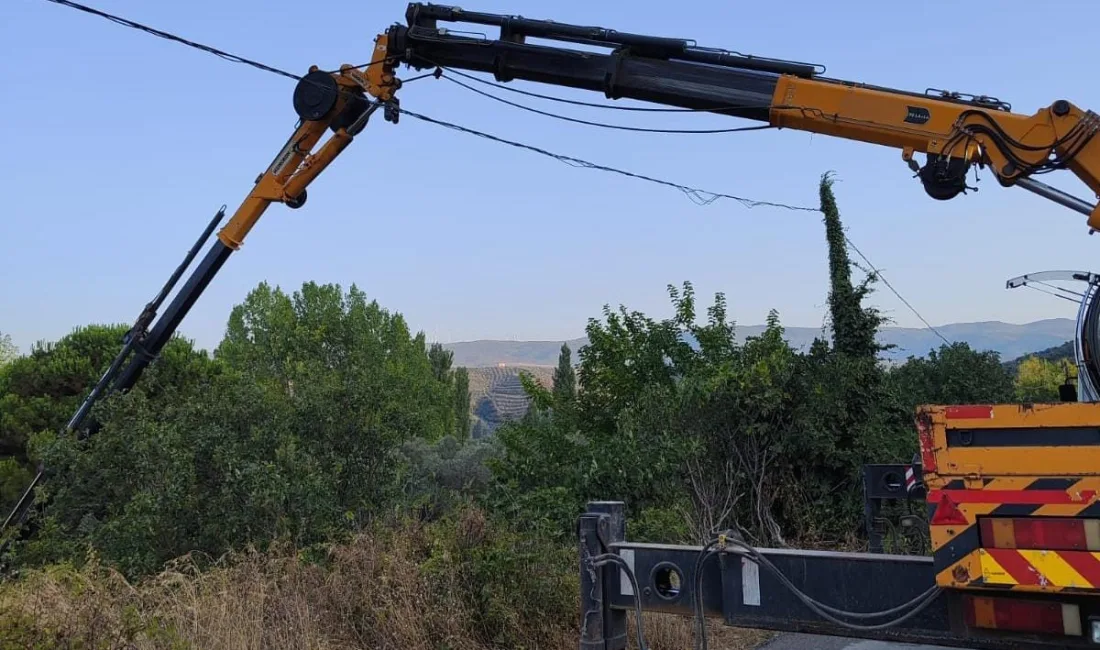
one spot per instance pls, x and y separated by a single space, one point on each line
120 146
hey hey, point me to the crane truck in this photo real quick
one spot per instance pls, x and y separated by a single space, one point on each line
1012 491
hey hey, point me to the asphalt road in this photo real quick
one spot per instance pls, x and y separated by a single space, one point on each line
813 642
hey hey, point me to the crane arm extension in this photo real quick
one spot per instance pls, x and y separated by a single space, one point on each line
340 101
953 131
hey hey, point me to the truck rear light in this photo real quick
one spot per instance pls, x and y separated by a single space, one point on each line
1023 615
1040 533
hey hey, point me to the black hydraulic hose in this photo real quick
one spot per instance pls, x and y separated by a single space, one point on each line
612 558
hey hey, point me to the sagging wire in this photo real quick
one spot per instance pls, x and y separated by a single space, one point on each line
228 56
613 558
698 196
1080 134
894 291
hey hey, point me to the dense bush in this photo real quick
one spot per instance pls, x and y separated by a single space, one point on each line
291 433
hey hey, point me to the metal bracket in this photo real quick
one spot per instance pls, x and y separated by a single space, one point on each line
888 482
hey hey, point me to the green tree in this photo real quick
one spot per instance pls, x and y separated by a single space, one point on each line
954 374
738 414
564 390
1037 379
565 380
1065 351
841 389
462 403
843 422
629 351
441 360
436 477
359 381
630 372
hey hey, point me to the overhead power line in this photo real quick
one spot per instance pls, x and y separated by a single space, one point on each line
699 196
889 286
126 22
172 37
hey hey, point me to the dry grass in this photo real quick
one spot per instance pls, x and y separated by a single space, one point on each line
400 589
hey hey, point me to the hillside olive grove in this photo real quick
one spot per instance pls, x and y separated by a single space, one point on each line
322 418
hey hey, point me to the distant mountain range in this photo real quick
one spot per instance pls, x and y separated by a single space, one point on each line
1009 339
496 395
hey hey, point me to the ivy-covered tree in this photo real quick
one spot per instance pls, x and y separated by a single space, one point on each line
842 425
854 324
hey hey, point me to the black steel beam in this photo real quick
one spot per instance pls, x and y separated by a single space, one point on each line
745 594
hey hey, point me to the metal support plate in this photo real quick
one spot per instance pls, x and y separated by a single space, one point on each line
751 596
